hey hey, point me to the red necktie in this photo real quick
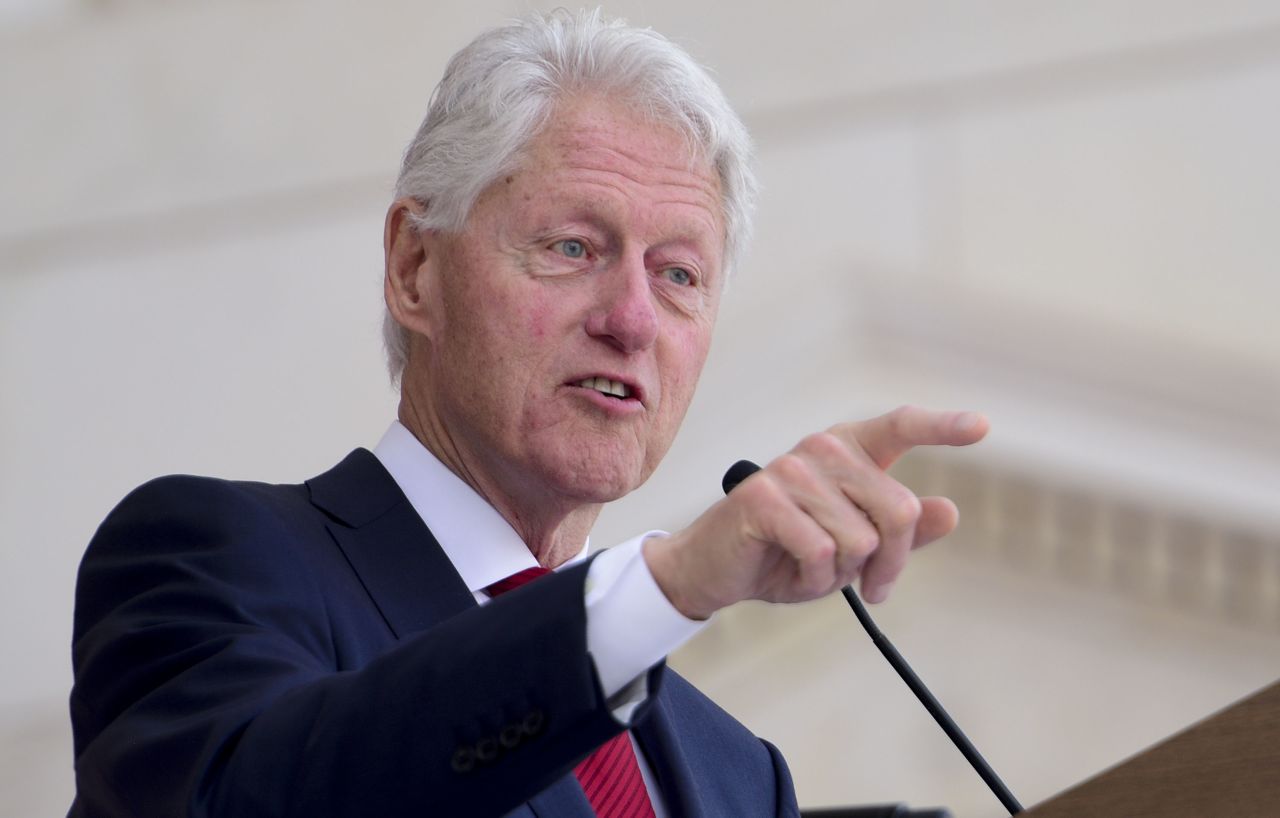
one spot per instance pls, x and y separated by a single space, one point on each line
610 776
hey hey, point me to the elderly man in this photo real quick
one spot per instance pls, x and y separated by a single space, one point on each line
566 219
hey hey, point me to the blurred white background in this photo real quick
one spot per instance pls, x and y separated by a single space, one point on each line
1062 214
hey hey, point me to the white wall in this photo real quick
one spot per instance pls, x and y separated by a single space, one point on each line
1061 215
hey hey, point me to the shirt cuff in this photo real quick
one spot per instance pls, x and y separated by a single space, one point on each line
631 626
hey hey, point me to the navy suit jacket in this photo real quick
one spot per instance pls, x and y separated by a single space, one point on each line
243 649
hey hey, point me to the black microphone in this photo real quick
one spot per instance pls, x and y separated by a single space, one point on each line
745 468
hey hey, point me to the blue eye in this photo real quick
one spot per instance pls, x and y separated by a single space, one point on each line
678 275
572 248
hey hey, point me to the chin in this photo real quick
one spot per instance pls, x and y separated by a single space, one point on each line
592 480
600 490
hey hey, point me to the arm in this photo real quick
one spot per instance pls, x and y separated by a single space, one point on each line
207 655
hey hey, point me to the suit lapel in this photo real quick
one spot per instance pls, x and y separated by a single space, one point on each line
658 736
408 575
402 567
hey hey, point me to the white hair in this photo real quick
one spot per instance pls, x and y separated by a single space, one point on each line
496 95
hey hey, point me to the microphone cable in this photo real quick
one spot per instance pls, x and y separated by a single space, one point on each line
745 468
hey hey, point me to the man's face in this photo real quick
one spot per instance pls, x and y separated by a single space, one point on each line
596 265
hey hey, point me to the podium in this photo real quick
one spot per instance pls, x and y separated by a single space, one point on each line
1225 765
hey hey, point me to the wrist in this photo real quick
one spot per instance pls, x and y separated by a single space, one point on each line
661 555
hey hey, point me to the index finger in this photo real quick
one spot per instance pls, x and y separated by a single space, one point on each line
889 436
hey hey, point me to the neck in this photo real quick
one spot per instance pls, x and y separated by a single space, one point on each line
553 529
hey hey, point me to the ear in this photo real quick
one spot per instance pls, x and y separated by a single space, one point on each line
410 258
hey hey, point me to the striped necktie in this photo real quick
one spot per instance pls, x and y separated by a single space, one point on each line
609 776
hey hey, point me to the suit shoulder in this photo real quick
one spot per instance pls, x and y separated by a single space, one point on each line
199 531
183 571
204 498
186 511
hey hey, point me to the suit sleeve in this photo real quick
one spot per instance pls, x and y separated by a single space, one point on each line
206 680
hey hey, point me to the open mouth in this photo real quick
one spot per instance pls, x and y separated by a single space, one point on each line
613 389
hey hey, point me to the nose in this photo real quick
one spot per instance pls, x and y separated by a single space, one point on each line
625 315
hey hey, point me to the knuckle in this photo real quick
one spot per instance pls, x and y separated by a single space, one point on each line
903 511
791 467
764 494
899 417
814 554
865 545
844 428
823 445
822 551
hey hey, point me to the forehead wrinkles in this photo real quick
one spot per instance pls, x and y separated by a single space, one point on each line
646 154
636 164
596 183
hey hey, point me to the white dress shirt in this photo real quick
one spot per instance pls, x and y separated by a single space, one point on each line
631 625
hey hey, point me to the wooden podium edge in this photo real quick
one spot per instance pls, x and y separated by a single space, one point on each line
1225 764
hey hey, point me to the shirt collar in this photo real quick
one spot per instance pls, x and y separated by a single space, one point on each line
480 543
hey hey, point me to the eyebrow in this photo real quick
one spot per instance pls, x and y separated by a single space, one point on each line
690 233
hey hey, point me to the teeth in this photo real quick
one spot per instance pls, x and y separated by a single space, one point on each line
617 389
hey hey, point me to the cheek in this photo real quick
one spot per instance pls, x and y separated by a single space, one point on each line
537 321
525 330
546 316
687 353
517 324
